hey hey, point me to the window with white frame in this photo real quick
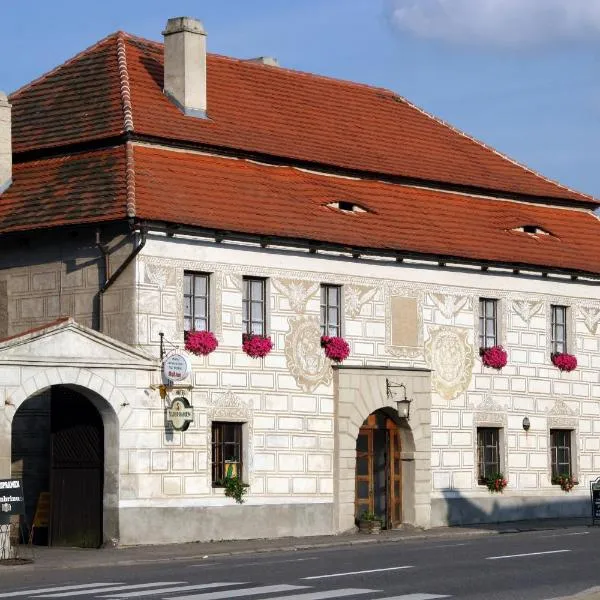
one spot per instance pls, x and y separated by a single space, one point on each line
559 329
488 453
488 322
254 312
560 450
331 310
196 300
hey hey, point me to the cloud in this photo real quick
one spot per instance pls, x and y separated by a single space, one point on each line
504 23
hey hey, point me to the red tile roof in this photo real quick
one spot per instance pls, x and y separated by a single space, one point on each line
79 188
117 84
243 196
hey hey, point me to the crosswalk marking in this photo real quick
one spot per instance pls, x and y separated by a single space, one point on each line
265 589
117 588
415 597
326 594
170 590
64 588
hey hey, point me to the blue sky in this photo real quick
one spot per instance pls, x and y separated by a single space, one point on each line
521 75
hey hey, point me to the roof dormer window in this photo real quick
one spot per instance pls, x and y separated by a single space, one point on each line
531 230
347 206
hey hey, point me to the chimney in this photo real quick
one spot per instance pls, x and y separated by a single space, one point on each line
5 144
265 60
185 65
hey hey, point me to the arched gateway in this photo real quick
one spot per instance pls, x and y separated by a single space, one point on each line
382 462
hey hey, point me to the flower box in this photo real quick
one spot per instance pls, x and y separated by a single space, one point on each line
496 483
564 362
201 343
336 348
494 357
566 482
256 346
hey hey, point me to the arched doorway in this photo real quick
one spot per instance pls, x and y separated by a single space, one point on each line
58 451
379 468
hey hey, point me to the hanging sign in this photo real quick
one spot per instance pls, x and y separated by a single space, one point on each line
595 497
176 366
11 499
180 413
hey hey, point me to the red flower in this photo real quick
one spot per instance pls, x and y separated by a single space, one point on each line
494 357
336 348
256 346
201 343
564 361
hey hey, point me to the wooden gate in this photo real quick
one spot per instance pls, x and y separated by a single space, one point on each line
77 471
378 469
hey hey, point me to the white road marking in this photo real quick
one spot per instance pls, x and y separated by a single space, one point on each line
566 534
327 594
358 572
117 588
266 589
64 588
170 590
526 554
415 597
249 564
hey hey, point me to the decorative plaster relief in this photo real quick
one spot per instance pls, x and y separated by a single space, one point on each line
159 275
305 358
560 415
526 309
449 305
450 356
395 295
591 318
489 405
229 407
296 291
355 297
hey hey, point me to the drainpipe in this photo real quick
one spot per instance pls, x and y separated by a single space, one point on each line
110 279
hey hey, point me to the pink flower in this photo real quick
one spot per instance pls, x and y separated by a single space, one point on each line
336 348
256 346
201 343
564 361
494 357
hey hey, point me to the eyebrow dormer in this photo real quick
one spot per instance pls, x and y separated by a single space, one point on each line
534 230
347 206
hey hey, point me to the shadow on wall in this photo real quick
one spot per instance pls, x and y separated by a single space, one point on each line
456 509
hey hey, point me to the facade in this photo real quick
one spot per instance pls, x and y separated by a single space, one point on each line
179 209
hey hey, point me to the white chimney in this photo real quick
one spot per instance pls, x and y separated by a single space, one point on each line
185 65
5 143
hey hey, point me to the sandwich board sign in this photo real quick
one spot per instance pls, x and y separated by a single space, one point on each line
12 501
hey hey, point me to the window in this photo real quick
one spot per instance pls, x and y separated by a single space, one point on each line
488 322
226 451
559 329
488 452
560 447
195 301
331 301
253 306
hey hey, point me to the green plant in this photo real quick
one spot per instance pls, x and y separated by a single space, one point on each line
496 482
235 488
566 482
369 516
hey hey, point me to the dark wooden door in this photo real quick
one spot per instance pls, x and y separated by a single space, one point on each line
77 471
378 470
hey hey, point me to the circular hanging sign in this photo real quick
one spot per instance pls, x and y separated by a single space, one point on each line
180 413
176 367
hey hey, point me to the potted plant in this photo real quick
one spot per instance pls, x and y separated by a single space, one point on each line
336 348
494 357
496 483
256 346
200 343
566 482
564 361
369 522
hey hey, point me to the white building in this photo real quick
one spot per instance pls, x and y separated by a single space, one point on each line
248 198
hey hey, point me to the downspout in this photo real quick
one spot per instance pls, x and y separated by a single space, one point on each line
110 279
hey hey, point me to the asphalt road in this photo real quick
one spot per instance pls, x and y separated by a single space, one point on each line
534 566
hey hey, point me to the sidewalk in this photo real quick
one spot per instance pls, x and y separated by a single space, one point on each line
69 558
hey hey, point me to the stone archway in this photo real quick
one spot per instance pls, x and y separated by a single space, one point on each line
360 392
107 400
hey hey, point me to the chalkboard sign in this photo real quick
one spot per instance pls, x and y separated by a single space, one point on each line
11 499
595 496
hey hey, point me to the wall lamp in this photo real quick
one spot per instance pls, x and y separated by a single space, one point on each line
403 404
526 423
